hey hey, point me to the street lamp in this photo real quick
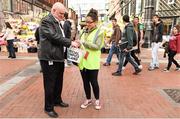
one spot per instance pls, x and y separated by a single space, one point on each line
1 16
149 10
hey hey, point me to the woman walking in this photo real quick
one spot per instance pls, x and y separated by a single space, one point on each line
9 36
174 48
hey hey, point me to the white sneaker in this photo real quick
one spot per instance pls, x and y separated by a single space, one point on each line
123 68
97 105
166 70
177 69
86 104
140 66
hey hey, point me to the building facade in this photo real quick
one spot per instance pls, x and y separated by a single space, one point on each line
168 10
25 7
82 7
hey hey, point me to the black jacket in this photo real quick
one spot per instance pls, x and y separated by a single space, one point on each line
52 41
36 34
127 36
157 32
67 29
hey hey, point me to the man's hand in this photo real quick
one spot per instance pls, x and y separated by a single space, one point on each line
75 44
126 50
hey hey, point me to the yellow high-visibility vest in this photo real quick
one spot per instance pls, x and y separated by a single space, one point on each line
92 62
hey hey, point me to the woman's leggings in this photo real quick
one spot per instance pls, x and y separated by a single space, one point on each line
90 78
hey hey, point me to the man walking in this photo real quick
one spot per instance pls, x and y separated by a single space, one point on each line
156 41
136 49
126 46
51 56
115 37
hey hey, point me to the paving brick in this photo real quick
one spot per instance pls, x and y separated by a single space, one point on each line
127 96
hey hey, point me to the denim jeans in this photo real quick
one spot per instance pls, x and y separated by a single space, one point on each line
10 48
112 50
126 55
155 61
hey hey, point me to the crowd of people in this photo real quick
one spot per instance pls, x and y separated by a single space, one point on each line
54 37
127 50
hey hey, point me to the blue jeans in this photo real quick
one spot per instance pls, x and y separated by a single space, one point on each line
126 55
10 48
112 50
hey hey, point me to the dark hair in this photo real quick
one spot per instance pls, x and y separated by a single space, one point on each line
126 18
155 15
177 27
114 19
93 14
66 15
136 17
8 25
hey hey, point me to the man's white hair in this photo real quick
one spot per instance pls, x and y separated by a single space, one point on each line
58 5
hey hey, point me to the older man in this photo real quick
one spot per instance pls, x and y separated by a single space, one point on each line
51 56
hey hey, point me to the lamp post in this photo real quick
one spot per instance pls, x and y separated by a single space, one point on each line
1 16
149 11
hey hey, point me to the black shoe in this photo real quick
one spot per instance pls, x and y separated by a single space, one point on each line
61 104
137 71
9 56
13 57
117 73
52 114
106 64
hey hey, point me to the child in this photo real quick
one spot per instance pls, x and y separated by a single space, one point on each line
174 48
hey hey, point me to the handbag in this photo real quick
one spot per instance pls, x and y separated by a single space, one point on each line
3 42
123 45
75 54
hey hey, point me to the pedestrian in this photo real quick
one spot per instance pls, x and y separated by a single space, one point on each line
9 37
67 33
51 56
156 42
92 41
174 48
136 49
126 46
114 40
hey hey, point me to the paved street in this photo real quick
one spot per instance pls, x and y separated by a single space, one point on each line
128 96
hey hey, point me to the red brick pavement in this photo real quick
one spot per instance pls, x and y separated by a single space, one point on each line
10 67
129 96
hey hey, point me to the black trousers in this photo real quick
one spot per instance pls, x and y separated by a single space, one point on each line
10 48
133 54
171 59
53 83
90 79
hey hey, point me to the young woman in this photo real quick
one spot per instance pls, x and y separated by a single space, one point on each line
174 48
92 41
9 36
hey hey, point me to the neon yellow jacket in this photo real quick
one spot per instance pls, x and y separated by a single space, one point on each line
92 44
